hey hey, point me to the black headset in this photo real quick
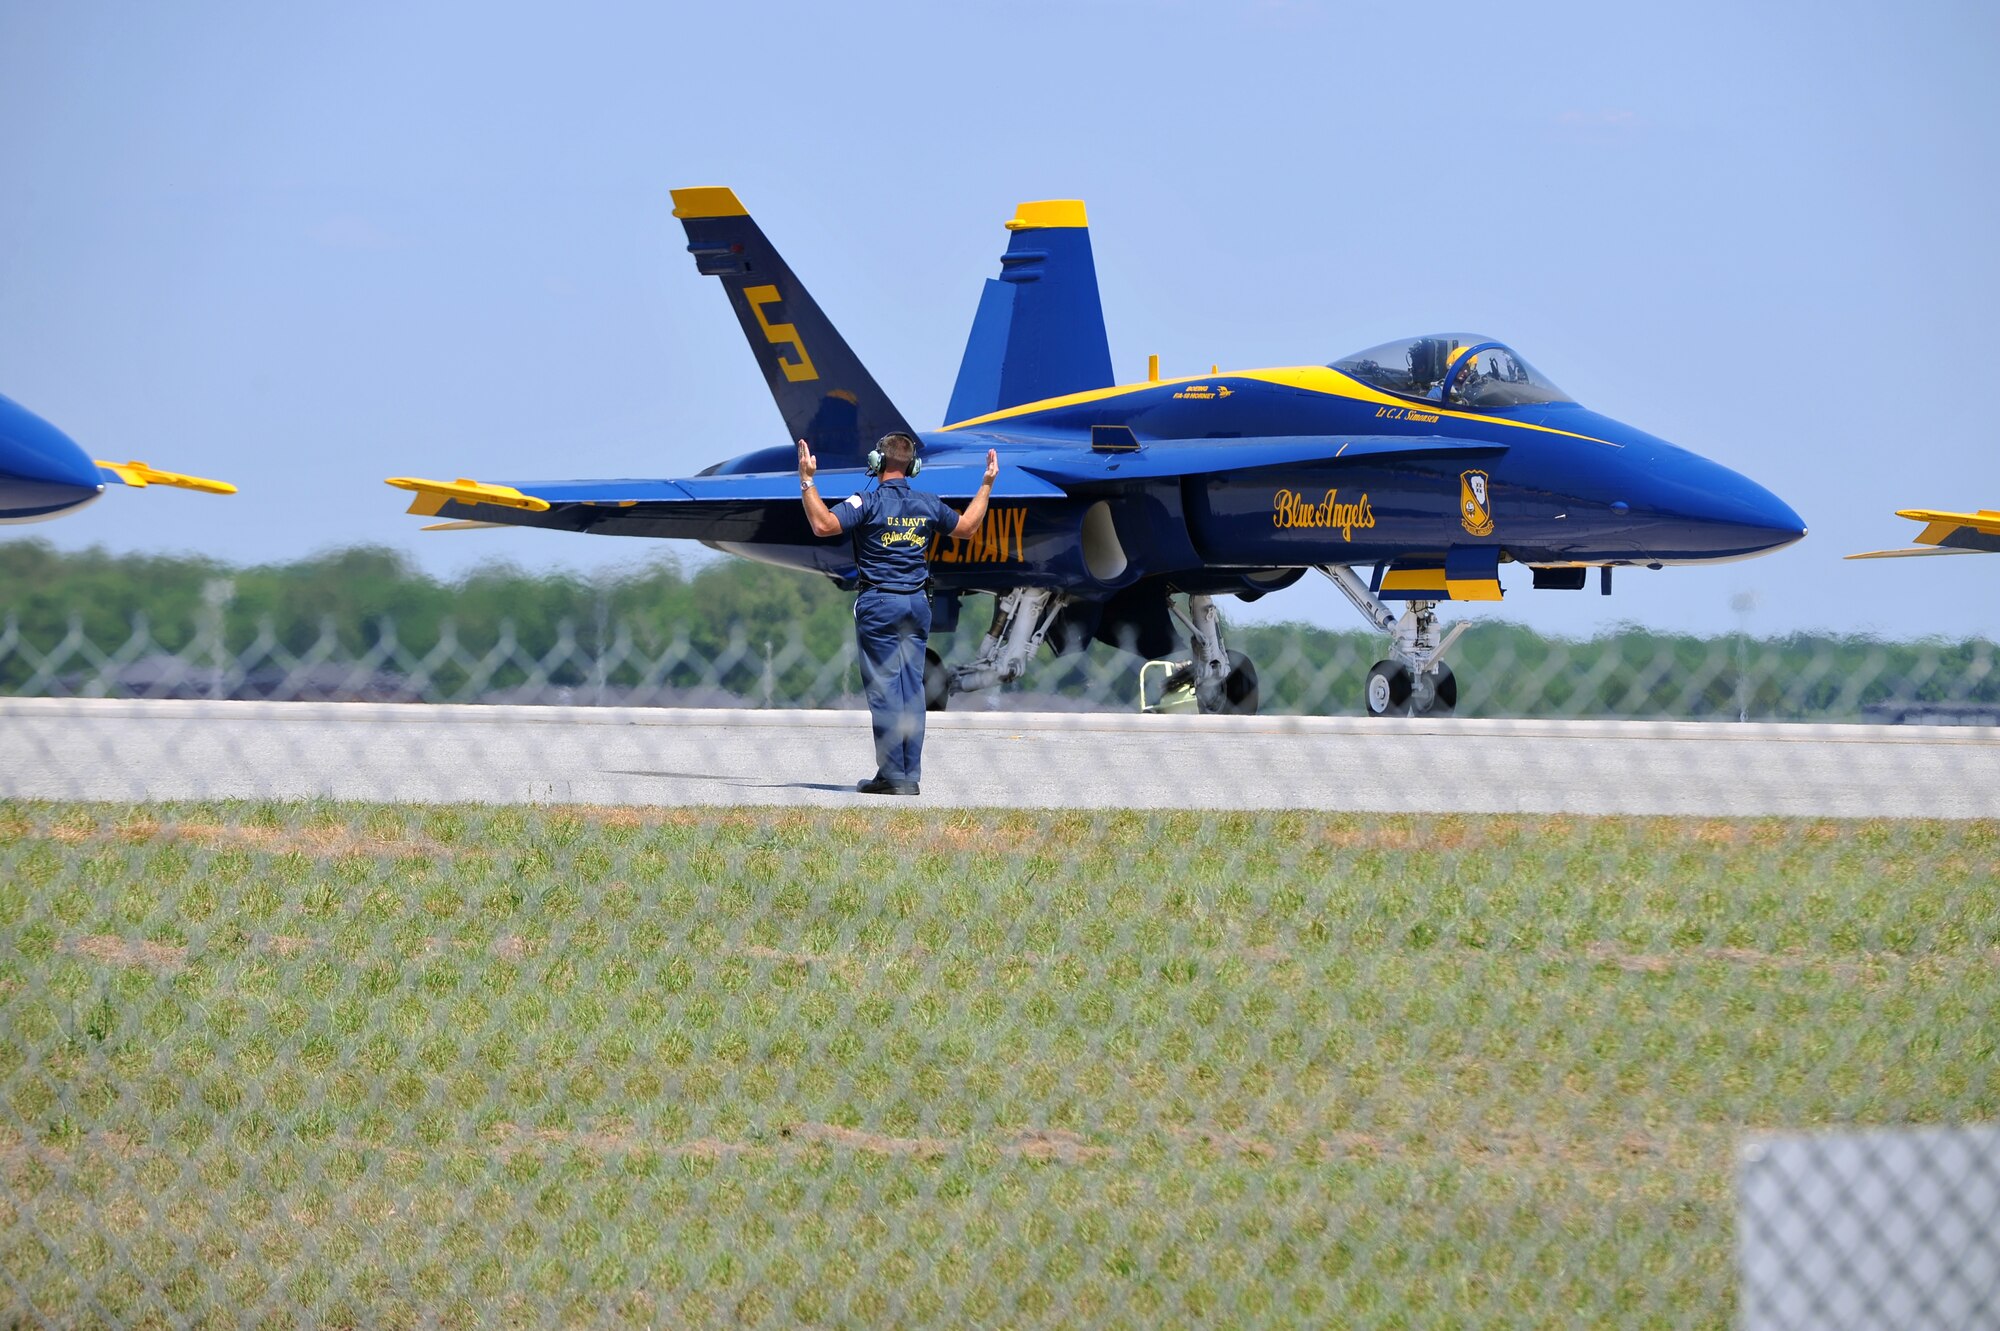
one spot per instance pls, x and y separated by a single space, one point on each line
875 458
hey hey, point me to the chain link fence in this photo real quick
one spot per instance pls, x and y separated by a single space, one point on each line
1504 670
345 1012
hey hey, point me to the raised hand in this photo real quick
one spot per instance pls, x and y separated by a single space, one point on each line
992 465
808 464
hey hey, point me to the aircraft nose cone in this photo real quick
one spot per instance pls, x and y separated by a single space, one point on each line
27 501
1716 513
1753 520
42 471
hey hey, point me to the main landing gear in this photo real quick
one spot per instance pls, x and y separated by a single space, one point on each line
1223 681
1020 622
1414 681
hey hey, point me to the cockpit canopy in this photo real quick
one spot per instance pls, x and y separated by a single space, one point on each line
1460 369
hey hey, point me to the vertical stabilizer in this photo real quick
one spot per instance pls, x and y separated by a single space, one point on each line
1039 332
821 387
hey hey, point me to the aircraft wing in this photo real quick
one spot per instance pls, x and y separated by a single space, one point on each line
141 475
747 506
1946 534
1103 465
764 506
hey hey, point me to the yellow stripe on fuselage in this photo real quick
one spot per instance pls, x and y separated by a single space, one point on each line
1322 379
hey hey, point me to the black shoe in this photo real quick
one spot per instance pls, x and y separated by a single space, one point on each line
882 785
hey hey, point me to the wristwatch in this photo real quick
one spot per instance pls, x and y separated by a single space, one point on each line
805 484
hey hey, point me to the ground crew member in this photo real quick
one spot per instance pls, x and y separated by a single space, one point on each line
892 527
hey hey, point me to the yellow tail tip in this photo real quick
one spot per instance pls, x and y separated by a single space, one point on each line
1047 213
708 201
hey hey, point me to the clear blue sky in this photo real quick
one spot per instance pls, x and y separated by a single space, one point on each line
307 247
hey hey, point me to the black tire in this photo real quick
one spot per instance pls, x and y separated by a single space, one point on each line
937 682
1444 701
1239 687
1387 692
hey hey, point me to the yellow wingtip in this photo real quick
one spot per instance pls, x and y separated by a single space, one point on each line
1047 213
708 201
466 491
139 474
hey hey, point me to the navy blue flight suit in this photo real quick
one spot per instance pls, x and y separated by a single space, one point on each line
892 527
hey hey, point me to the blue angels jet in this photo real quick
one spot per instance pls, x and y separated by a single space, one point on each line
1410 473
43 474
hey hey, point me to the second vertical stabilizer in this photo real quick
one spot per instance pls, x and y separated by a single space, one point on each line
1039 332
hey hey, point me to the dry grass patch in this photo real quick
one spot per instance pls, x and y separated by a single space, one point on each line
1056 1144
873 1143
115 951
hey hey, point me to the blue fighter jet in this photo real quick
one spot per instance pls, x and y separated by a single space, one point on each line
43 474
1409 473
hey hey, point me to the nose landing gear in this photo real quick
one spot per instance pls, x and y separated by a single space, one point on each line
1414 680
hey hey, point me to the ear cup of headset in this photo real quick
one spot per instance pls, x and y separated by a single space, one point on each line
875 458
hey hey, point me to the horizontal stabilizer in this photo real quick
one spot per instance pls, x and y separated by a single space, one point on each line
140 474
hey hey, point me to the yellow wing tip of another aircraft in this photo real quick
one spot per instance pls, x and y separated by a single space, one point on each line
1914 550
708 201
1985 520
1047 213
136 473
466 491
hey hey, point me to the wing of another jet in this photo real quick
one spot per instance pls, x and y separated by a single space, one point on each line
1946 534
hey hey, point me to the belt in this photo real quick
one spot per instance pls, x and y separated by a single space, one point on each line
867 586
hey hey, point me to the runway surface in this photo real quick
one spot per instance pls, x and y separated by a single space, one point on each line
130 750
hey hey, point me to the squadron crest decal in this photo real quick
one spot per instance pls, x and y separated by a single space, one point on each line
1475 503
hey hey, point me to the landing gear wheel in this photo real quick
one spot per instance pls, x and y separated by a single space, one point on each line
1444 695
1239 687
937 682
1388 691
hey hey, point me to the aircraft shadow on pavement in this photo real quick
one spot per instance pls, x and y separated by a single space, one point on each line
738 781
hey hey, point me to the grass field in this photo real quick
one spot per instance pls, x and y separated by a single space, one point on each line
318 1064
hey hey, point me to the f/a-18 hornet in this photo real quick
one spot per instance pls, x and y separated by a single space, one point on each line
1410 472
44 474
